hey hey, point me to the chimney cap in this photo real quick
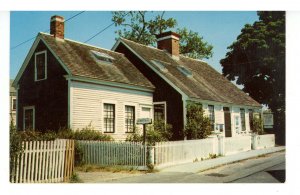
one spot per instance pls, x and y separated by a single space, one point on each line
169 33
57 18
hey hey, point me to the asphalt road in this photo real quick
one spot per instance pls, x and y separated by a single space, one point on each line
265 169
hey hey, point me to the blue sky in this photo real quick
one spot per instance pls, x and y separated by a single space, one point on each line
219 29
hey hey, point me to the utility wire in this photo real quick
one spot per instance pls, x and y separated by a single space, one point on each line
16 46
98 33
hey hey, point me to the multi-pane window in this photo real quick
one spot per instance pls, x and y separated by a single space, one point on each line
109 118
129 119
40 66
28 118
211 115
243 123
146 112
159 112
14 104
251 118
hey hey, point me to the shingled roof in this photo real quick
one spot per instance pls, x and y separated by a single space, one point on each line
79 60
204 83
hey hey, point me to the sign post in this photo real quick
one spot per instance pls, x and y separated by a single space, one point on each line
268 120
144 122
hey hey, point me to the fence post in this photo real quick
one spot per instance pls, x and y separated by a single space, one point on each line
151 155
215 149
254 140
221 143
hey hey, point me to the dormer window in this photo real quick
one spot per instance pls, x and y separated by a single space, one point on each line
40 66
102 57
161 66
186 72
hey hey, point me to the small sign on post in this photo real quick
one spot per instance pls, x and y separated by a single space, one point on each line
268 120
144 122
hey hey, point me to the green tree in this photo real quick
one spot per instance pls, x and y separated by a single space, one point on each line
138 27
198 125
193 45
257 60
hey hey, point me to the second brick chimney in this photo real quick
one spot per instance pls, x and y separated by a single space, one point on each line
57 26
169 41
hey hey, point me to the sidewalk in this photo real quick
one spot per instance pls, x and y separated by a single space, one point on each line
208 164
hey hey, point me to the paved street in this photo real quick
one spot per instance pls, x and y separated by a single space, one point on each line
274 174
268 168
237 172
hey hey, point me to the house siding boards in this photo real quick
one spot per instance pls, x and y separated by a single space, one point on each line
49 96
87 102
163 92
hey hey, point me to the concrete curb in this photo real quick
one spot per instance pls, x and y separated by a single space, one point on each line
212 163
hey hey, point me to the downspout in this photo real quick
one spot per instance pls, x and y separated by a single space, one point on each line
184 99
17 106
69 102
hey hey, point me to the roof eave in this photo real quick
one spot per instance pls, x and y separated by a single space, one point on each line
111 83
223 103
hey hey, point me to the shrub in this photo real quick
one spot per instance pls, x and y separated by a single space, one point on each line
258 126
78 152
15 147
84 134
198 126
157 132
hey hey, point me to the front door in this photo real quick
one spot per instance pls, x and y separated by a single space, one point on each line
227 119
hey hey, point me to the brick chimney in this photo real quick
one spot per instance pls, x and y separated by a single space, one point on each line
169 41
57 26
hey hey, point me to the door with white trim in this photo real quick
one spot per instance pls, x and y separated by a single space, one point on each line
29 118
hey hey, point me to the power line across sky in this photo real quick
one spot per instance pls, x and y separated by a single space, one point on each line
217 28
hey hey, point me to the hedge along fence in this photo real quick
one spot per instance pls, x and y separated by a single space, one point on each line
43 161
113 153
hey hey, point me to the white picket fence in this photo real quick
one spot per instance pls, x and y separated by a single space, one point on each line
263 141
113 153
174 152
43 161
166 153
233 145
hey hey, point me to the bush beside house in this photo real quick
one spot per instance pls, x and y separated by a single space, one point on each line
198 125
159 131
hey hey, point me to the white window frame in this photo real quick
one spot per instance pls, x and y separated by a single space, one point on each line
102 115
237 127
29 108
12 103
35 69
135 116
214 115
165 105
146 106
244 120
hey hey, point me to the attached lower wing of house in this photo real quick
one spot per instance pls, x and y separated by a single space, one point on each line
229 108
